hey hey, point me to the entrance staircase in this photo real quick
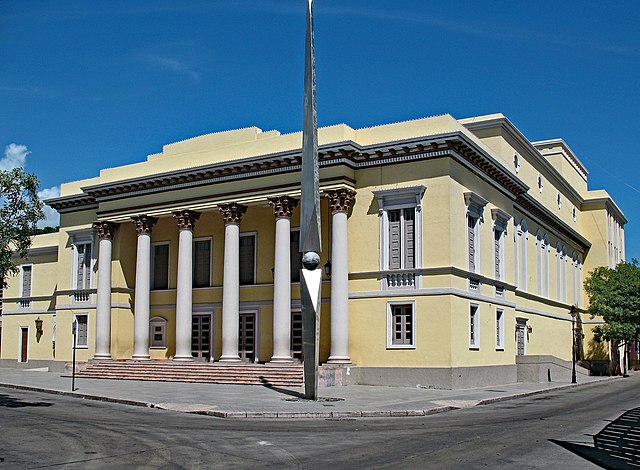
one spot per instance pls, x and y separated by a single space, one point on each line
200 372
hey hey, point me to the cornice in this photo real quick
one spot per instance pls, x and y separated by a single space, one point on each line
528 204
506 125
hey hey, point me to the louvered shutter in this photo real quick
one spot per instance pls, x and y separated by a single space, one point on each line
496 252
247 259
471 222
409 237
26 281
295 256
80 267
82 330
161 267
202 263
394 239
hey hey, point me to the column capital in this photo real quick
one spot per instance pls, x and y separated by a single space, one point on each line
341 200
186 219
144 224
104 229
232 212
283 206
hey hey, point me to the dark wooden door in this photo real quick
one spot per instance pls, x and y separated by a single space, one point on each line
247 337
24 344
201 337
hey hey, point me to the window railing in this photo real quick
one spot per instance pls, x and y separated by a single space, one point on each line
83 296
401 279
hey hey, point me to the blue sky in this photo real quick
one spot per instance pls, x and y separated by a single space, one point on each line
86 85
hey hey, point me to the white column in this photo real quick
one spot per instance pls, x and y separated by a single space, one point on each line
231 282
103 302
340 201
143 284
282 208
184 292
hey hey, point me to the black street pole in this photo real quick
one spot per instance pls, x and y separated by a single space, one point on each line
73 370
573 344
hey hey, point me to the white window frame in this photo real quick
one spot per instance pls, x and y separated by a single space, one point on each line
82 237
475 210
255 256
499 329
474 325
75 317
500 223
398 199
162 322
153 265
193 247
522 235
390 324
24 303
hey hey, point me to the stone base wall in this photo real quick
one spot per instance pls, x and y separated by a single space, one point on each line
540 368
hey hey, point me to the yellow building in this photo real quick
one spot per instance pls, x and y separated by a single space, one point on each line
454 250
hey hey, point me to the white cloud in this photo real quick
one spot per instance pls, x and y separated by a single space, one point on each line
52 218
172 64
15 156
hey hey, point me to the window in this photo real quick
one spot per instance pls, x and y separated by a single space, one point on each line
160 268
81 331
157 332
521 254
247 260
83 266
500 330
25 285
402 238
400 325
474 327
295 255
500 220
400 212
202 263
475 208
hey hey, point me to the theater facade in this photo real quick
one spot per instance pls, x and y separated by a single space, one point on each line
453 252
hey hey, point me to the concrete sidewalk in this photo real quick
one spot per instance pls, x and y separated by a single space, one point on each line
255 401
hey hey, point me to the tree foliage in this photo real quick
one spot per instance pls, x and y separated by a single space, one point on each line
614 295
20 211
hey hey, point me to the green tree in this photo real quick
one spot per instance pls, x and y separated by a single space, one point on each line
20 211
614 295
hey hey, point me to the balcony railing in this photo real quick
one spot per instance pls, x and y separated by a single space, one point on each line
401 279
81 296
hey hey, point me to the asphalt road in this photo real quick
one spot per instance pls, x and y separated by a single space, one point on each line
47 431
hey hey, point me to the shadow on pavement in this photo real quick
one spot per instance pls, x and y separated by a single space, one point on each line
617 446
10 402
284 391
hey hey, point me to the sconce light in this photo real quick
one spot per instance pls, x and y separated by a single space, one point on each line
38 326
327 268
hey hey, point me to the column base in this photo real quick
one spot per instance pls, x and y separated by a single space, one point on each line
230 359
281 360
182 358
141 357
102 357
339 360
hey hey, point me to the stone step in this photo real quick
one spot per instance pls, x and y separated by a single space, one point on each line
242 374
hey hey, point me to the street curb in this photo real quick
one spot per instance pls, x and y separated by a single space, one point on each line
332 415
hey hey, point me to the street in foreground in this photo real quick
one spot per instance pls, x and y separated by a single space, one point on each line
552 430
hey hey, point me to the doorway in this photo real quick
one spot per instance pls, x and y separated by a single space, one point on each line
201 337
247 337
24 344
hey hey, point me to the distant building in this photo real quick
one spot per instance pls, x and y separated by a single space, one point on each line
456 249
